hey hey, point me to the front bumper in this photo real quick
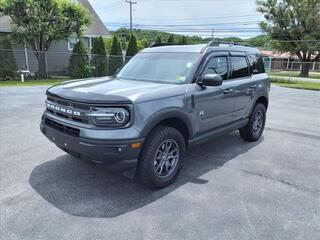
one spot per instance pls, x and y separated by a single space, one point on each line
117 154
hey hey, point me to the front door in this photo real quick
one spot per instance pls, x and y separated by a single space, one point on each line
214 105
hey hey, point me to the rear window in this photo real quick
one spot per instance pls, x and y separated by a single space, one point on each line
256 64
240 67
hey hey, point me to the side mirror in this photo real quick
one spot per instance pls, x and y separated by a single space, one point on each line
211 80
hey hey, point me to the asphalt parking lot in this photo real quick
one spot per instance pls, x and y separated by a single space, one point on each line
228 189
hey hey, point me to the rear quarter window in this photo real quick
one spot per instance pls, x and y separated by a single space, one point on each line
240 67
256 64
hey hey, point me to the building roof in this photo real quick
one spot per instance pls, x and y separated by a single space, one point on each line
277 54
97 28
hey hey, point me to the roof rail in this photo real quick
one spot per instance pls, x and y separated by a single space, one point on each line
218 43
162 44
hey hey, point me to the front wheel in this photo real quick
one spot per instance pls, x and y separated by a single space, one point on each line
161 157
254 128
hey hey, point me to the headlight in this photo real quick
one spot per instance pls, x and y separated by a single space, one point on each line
110 117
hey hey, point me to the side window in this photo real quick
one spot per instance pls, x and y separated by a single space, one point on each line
256 63
217 65
240 67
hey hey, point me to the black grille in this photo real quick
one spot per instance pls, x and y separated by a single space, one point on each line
62 128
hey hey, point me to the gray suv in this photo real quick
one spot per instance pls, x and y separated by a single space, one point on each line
166 99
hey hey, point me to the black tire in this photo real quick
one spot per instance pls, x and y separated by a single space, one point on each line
250 132
146 170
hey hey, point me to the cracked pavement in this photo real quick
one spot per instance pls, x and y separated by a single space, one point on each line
228 189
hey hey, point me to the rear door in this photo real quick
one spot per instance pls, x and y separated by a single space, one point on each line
213 104
242 84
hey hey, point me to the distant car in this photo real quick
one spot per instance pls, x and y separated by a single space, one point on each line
164 100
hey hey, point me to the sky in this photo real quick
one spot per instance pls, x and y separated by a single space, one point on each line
236 18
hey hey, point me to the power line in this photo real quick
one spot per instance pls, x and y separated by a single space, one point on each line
131 2
193 25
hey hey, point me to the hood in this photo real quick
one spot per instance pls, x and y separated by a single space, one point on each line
112 90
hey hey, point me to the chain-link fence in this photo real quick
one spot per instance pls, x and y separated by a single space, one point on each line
288 65
50 64
57 64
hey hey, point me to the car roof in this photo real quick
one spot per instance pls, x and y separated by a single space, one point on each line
201 48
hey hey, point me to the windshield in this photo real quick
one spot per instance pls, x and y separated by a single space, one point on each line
160 67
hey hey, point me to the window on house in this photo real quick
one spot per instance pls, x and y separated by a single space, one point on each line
72 41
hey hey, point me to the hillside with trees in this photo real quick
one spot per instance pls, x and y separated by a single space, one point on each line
147 37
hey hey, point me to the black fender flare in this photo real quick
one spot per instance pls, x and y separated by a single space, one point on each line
259 95
158 117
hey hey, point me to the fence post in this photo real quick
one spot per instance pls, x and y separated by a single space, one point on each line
26 57
290 75
270 63
46 60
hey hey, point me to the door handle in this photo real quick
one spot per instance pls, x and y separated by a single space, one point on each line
228 91
253 86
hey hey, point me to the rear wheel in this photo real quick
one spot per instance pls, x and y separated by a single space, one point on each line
161 157
254 129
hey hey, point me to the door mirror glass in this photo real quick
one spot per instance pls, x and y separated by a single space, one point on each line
211 80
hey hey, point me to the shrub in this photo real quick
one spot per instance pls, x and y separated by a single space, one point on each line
99 58
115 58
8 66
183 40
171 39
158 40
132 46
79 66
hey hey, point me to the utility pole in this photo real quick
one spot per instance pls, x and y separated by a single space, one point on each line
131 2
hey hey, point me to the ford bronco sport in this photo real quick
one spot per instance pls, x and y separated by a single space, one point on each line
164 100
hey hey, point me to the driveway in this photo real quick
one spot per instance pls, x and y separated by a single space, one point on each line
228 189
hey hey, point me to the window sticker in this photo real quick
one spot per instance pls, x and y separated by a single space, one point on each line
189 65
180 78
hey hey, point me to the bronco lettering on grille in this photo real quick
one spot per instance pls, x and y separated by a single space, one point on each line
63 110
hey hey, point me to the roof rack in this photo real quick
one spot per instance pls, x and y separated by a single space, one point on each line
218 43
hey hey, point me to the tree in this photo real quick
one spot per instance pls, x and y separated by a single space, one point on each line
262 41
40 22
99 58
293 25
171 39
132 46
145 43
115 58
183 40
79 65
158 40
8 66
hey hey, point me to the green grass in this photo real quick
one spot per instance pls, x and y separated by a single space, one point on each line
296 84
294 74
40 82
